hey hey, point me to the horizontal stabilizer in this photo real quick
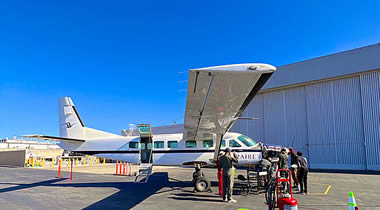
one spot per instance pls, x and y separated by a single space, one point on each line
53 138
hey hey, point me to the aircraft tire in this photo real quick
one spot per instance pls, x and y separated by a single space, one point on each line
202 184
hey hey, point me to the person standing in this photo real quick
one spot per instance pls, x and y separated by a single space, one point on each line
302 172
294 167
228 174
220 175
283 160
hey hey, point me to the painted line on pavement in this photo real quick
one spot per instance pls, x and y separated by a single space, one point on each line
326 191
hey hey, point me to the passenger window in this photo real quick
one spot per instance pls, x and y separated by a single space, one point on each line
234 143
159 144
223 143
172 144
208 143
191 144
133 145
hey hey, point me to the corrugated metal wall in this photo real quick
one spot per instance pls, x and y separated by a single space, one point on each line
296 119
370 89
336 124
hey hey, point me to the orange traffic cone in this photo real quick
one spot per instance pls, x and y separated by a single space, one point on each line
352 203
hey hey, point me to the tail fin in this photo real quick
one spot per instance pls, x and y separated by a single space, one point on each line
70 123
72 126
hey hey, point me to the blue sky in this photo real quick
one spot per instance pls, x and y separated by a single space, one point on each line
119 60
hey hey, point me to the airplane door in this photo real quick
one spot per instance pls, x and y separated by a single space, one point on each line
146 146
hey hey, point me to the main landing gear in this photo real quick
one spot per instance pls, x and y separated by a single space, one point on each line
201 183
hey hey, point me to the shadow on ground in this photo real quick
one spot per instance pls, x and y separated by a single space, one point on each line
130 194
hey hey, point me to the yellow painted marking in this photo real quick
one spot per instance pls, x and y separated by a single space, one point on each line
326 191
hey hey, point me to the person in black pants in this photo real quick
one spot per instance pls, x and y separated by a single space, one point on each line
294 167
302 172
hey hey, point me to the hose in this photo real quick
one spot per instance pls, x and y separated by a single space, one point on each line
271 189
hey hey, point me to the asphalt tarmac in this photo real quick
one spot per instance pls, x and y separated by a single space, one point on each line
168 188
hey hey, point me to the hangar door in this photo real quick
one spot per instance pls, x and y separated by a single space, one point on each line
336 124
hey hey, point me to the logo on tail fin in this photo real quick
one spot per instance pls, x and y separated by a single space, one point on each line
69 125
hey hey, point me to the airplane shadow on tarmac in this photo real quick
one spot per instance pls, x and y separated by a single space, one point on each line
127 198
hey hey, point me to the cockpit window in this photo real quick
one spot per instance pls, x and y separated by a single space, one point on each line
234 143
247 141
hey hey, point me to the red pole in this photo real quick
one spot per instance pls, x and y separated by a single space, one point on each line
120 168
71 173
124 169
116 166
59 169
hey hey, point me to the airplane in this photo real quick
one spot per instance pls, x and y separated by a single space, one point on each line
216 98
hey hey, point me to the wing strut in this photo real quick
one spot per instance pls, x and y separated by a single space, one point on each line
219 138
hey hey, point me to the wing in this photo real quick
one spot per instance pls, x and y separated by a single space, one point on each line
217 96
53 138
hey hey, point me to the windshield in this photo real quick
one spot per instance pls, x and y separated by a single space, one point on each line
234 143
247 141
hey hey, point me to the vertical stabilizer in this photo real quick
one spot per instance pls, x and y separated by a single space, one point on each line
70 123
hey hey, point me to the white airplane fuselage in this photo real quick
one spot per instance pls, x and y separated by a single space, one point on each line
168 149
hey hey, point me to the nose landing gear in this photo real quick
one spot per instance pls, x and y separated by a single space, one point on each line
201 182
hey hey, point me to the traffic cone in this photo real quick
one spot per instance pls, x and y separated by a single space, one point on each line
352 203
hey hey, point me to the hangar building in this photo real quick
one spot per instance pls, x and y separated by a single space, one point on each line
327 107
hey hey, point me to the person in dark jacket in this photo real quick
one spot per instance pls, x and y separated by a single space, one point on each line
228 174
283 159
302 172
283 162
